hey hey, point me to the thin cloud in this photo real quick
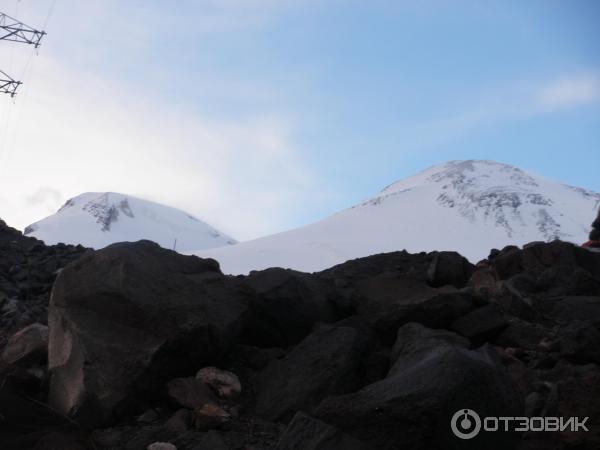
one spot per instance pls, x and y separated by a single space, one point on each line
86 133
507 103
570 92
44 195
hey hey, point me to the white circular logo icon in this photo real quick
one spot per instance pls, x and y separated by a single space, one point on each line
465 424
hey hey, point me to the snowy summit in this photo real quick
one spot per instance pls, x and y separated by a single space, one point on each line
98 219
466 206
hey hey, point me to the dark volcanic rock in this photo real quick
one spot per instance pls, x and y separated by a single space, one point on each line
307 433
449 268
537 257
515 297
286 305
125 319
520 334
482 324
27 424
180 421
396 288
9 234
327 362
414 343
364 349
27 270
580 342
413 407
210 416
393 264
28 344
190 392
226 385
583 308
389 303
211 441
567 391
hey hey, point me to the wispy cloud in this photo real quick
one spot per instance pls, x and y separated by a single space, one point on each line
570 92
81 132
508 103
47 196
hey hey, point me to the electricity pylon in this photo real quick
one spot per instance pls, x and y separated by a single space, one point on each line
15 31
8 85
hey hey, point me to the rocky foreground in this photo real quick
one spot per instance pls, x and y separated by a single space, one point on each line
139 347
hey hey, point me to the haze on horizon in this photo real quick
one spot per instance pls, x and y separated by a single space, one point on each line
263 115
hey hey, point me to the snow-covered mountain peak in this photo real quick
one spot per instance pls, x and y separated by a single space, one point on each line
468 206
467 175
105 208
492 193
97 219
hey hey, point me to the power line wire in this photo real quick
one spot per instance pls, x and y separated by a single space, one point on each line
50 11
10 135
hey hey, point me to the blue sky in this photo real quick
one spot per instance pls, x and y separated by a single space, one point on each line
262 115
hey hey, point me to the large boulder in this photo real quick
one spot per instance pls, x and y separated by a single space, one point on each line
433 376
390 302
482 324
346 276
585 308
328 362
286 304
125 319
557 256
414 343
557 281
449 268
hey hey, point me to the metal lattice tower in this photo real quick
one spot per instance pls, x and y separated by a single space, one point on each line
15 31
8 85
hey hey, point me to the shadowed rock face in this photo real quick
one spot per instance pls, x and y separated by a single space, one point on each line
28 269
433 376
307 433
285 306
124 318
376 353
328 362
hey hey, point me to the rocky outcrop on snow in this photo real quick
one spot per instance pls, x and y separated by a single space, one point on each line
151 348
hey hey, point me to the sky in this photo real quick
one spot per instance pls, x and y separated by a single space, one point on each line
259 116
